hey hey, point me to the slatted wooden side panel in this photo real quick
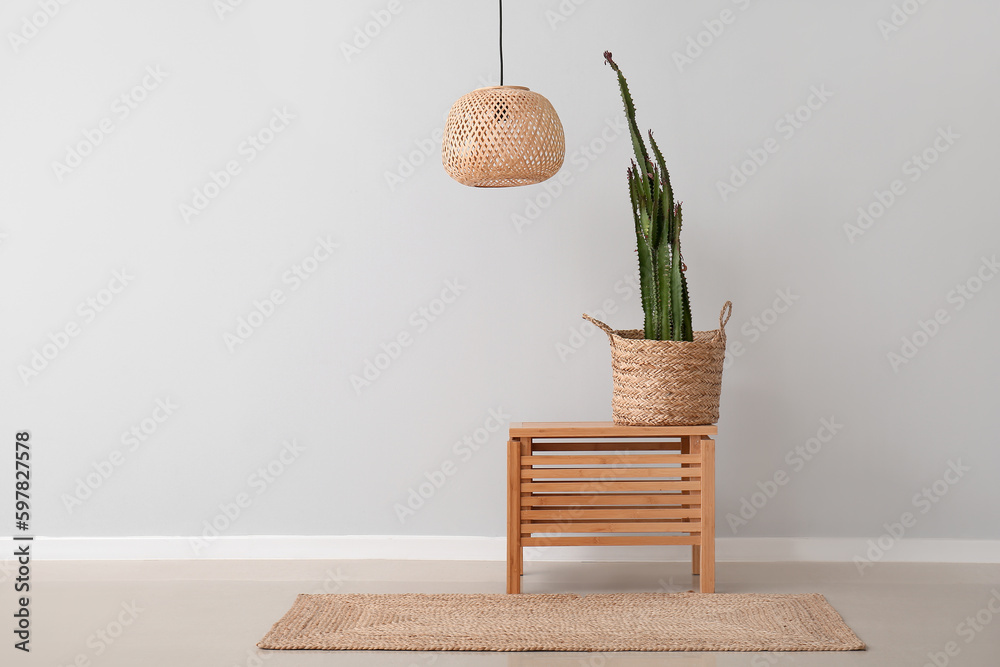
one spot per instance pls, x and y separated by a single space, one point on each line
610 493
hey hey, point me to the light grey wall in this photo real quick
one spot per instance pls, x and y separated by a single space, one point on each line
350 168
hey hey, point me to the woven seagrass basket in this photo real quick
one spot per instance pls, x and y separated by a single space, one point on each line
667 382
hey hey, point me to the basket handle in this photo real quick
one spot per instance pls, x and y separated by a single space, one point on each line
600 325
724 315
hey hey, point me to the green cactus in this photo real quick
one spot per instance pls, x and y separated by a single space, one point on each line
657 218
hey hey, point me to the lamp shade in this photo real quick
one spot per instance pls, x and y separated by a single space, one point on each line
502 136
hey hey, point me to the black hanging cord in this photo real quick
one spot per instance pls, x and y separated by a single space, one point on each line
501 42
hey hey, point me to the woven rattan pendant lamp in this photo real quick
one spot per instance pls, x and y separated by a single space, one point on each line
502 136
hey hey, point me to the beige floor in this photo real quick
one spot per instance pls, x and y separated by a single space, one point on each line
210 613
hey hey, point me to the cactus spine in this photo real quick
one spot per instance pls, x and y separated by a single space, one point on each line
657 218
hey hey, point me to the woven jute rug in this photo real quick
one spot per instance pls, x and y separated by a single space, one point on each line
545 622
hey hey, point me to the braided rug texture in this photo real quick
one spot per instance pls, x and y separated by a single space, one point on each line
562 622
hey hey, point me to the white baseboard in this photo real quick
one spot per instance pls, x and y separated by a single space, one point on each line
412 547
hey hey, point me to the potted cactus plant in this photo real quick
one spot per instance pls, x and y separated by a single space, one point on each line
666 373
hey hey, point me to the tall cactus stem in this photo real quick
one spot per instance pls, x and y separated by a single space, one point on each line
657 218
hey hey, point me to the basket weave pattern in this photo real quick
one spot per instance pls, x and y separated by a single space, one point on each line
665 382
502 136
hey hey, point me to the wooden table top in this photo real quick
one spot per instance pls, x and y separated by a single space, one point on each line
602 430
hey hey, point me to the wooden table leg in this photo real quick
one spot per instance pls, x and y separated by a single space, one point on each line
707 515
526 450
514 555
690 445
